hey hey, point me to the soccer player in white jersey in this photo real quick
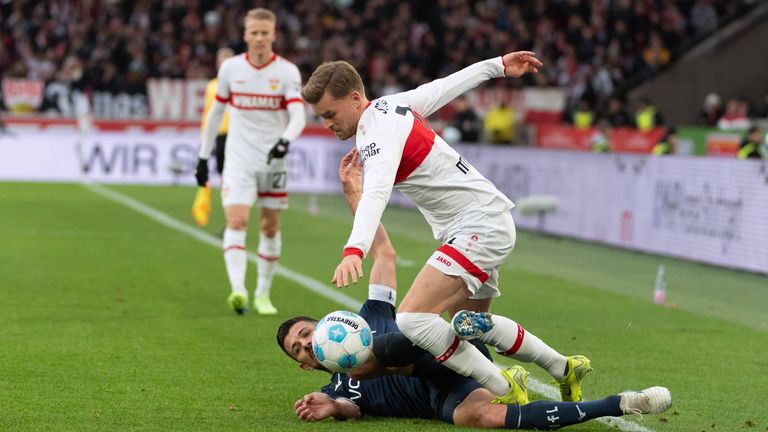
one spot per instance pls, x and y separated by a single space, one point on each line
466 212
266 114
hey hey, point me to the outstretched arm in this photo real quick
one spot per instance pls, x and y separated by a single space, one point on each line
319 406
382 252
430 97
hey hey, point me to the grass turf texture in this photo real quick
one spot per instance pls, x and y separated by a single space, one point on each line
110 320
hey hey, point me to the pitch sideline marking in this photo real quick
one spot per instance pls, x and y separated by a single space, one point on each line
311 284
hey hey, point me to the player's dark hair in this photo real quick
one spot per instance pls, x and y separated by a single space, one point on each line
338 78
285 327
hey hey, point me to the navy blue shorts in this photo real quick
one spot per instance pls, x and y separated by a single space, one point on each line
444 403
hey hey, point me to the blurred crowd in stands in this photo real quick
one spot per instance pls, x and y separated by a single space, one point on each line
595 49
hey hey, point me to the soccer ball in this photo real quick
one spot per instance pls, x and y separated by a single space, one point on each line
342 341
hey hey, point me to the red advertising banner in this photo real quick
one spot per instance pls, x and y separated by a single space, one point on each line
723 144
630 140
622 140
564 137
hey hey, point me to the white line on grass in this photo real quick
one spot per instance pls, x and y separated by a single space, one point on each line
312 284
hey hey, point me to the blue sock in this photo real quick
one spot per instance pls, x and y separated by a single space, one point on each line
554 415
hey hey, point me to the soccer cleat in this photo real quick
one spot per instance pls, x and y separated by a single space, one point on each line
238 302
469 324
518 386
652 400
570 385
263 306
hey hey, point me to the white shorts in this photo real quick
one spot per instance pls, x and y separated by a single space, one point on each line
477 246
241 186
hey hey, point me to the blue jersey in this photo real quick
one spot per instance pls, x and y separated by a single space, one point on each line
432 392
389 395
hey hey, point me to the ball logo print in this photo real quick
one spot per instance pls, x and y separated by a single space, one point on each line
342 341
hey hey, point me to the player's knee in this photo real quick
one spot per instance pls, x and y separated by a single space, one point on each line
415 326
269 230
237 223
269 226
486 418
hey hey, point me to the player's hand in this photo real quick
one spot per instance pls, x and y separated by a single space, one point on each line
201 173
521 62
278 151
350 171
351 265
315 407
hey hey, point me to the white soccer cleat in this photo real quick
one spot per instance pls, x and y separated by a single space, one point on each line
652 400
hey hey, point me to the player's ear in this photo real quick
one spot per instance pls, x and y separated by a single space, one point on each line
306 367
356 97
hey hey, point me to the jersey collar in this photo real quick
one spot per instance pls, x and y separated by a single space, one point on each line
271 59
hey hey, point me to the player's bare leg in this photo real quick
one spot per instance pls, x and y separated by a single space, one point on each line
270 246
235 257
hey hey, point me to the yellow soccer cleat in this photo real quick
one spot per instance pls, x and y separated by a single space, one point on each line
518 383
570 385
263 306
238 302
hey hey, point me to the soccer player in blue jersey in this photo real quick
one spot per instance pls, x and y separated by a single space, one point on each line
405 381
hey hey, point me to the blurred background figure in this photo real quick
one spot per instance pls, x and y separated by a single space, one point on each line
647 116
210 94
753 145
466 120
499 124
583 116
601 142
711 112
735 115
616 115
667 145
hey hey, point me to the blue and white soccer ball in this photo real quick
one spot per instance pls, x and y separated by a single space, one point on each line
342 341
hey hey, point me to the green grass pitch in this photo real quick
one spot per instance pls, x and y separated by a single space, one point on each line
112 321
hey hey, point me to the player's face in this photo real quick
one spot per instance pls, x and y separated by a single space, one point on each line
298 343
259 35
340 115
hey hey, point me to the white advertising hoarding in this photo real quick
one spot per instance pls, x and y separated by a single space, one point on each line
712 210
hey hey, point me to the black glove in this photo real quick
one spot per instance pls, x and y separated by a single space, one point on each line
201 173
278 151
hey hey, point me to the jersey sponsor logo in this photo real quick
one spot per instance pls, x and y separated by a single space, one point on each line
441 259
250 101
462 165
369 151
382 106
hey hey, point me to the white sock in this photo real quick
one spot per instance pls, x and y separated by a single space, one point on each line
429 331
269 253
510 339
235 259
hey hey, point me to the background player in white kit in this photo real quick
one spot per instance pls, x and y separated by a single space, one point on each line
466 212
266 114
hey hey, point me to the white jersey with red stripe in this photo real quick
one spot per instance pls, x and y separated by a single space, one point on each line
399 149
258 97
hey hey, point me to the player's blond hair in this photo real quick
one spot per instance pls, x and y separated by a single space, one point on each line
260 14
337 78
